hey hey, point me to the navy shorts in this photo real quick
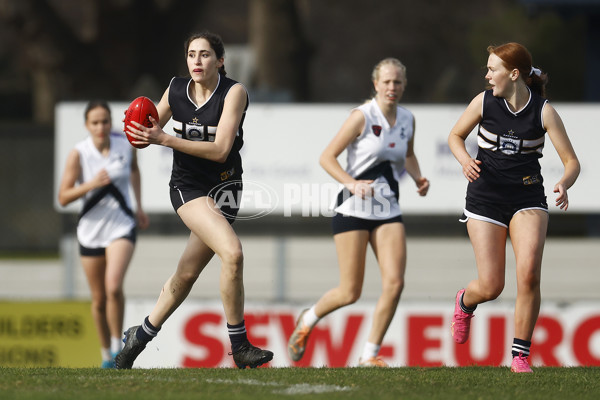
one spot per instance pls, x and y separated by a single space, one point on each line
227 196
101 251
499 214
344 223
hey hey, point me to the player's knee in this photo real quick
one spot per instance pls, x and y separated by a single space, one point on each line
351 296
232 255
99 304
530 281
393 287
114 292
492 291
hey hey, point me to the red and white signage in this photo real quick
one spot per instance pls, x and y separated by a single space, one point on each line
196 336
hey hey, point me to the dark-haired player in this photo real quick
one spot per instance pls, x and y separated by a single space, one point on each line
100 170
208 111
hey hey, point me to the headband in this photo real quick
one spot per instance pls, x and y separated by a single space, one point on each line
535 70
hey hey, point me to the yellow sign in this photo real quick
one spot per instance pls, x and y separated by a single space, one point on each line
48 334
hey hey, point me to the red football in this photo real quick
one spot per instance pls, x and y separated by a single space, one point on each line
139 111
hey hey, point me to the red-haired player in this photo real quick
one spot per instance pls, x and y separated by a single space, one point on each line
505 194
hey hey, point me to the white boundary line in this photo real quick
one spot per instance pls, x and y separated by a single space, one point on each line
300 388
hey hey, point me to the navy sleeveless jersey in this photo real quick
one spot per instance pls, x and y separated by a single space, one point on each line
510 145
199 123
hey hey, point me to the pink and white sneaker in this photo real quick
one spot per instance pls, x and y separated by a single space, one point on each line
461 321
520 364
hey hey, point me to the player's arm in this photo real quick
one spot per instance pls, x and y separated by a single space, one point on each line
558 135
233 110
412 166
68 190
350 130
456 140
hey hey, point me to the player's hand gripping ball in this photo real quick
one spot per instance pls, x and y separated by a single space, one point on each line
139 111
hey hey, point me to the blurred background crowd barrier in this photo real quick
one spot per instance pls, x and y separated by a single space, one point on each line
291 51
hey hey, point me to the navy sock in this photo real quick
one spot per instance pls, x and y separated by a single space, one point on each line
465 309
237 335
520 346
147 331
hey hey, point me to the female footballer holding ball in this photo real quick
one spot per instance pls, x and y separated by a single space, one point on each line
208 111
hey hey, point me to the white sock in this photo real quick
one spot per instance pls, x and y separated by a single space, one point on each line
310 318
116 344
105 353
370 350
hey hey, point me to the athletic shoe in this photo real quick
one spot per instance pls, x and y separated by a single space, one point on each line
108 364
461 321
372 362
251 356
520 364
298 339
133 347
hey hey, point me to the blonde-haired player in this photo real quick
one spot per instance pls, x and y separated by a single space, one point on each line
379 139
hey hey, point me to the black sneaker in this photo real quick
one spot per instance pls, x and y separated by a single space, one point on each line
133 347
251 356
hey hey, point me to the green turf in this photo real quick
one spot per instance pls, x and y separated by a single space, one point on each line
299 383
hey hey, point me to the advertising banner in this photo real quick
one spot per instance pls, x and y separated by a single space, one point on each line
48 334
195 336
62 334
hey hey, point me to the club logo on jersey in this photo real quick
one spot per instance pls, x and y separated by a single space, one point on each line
376 129
402 134
194 131
392 145
508 145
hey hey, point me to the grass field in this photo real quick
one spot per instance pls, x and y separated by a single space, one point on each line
299 383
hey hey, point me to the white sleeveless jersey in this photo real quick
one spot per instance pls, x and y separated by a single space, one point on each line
368 157
107 220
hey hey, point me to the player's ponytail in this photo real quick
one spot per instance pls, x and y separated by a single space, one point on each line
537 81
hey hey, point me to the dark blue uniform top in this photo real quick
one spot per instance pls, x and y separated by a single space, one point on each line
510 145
199 124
